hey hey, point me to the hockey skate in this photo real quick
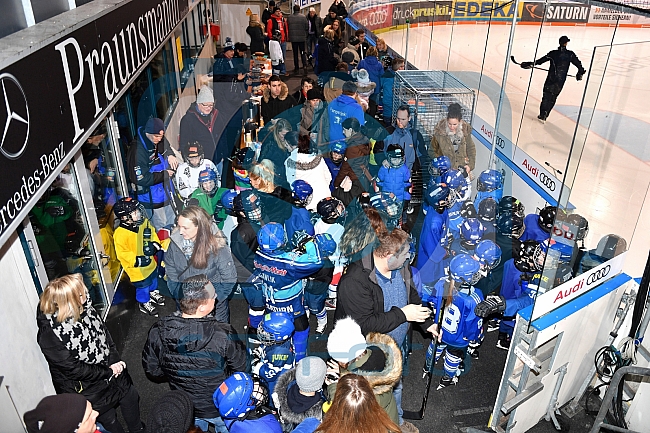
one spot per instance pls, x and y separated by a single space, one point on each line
446 381
493 325
504 341
321 325
541 118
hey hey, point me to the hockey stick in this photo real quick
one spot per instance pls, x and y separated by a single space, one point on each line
429 371
535 67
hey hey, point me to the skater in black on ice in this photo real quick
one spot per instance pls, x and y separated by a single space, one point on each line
557 73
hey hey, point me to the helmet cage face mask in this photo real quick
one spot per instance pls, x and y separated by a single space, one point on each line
396 161
209 187
260 394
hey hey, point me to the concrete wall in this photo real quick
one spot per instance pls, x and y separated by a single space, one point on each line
22 364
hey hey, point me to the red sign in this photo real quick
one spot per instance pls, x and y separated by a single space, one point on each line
378 17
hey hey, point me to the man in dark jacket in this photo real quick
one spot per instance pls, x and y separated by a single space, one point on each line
298 29
341 11
315 30
558 69
276 99
151 164
194 352
332 15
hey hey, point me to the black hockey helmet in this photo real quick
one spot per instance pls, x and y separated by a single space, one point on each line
547 217
580 223
510 224
527 257
330 209
193 150
487 209
467 210
124 209
510 204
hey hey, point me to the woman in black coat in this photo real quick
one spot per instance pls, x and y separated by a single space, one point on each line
82 356
255 30
327 58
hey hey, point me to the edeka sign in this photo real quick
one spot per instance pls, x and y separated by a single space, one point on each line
78 77
555 12
567 292
376 17
483 10
421 12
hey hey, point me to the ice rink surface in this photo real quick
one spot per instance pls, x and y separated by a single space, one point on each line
613 175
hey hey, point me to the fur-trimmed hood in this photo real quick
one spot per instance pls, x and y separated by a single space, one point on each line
283 93
282 389
441 129
383 381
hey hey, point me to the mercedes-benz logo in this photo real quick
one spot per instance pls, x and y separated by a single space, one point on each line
15 133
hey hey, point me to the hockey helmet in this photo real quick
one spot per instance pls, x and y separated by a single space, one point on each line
454 179
277 35
438 195
237 207
244 157
337 152
510 204
488 253
489 180
240 394
193 151
275 328
464 270
471 231
487 209
129 211
228 201
208 181
581 224
271 237
395 155
510 224
252 205
330 209
326 244
439 165
527 257
610 246
302 193
386 202
547 217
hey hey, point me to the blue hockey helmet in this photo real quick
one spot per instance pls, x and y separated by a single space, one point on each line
438 195
488 209
326 244
471 231
386 202
464 269
490 180
208 181
238 395
275 328
488 253
302 192
439 165
271 237
228 201
252 205
454 179
339 147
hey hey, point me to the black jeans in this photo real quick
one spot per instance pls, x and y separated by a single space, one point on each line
549 96
299 47
312 40
130 407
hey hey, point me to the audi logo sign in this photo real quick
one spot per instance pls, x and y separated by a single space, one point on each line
547 181
597 276
578 286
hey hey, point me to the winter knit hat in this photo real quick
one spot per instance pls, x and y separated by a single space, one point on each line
205 96
57 414
172 413
154 126
363 78
313 94
310 374
346 342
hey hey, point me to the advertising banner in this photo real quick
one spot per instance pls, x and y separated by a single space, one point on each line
307 3
377 17
421 12
482 10
555 12
600 15
79 76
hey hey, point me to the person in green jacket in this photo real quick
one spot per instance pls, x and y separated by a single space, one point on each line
208 196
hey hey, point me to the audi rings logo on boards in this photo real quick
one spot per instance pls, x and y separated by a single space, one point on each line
597 276
14 119
376 17
547 181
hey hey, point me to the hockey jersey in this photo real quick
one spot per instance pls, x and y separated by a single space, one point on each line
187 177
129 245
533 231
210 204
433 230
266 424
459 324
455 220
269 363
519 290
299 220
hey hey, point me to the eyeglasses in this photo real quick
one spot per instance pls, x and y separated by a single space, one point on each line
206 105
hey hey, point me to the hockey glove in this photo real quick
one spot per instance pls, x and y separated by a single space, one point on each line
579 75
527 65
326 244
492 305
142 261
150 248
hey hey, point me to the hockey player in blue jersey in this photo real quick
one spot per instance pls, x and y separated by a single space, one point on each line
538 227
489 184
488 254
458 186
431 260
471 233
275 354
488 212
521 277
300 219
279 273
243 401
336 159
394 176
460 325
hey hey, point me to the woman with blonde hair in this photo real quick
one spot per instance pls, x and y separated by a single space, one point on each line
256 32
382 48
355 409
327 52
275 200
82 356
276 148
198 247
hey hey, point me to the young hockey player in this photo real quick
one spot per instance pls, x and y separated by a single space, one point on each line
243 401
241 163
538 227
396 178
389 207
489 184
136 242
460 325
300 219
336 159
487 213
332 221
279 273
275 355
187 174
431 261
471 233
275 53
488 254
208 196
